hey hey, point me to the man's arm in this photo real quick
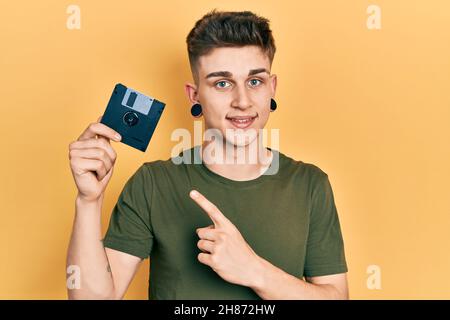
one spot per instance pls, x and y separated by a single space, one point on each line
104 273
273 283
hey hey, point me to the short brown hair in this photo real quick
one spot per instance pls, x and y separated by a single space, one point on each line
228 29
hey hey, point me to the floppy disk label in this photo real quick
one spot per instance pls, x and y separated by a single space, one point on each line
137 101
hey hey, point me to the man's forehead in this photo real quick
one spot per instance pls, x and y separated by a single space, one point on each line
234 61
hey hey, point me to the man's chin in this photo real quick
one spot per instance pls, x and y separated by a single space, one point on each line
241 139
233 136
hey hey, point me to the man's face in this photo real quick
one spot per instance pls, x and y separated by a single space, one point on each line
234 90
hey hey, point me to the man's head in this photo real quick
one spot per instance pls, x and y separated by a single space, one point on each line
231 56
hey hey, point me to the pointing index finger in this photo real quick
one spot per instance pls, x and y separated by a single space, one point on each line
213 212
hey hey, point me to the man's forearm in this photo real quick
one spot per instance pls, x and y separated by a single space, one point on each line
86 251
275 284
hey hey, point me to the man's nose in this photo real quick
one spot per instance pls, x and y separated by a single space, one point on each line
242 99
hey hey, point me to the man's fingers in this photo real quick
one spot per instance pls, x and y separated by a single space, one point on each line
100 129
208 234
206 245
94 143
213 212
93 153
97 166
205 258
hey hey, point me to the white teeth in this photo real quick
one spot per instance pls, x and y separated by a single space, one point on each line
242 120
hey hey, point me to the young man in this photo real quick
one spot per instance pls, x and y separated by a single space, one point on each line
213 230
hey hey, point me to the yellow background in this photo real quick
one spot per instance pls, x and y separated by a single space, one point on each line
369 107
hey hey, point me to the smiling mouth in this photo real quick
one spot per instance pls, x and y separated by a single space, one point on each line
242 122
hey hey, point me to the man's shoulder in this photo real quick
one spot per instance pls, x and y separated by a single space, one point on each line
297 166
172 164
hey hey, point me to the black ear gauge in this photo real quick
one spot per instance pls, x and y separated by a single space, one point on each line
196 110
273 105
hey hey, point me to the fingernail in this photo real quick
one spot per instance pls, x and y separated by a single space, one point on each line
194 193
118 137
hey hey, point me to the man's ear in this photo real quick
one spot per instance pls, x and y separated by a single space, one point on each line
273 83
191 92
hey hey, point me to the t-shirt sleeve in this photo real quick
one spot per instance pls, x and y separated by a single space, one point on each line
325 247
130 227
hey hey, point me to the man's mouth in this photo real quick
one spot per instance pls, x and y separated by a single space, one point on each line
242 122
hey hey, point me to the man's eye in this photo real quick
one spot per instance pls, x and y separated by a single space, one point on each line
255 82
221 84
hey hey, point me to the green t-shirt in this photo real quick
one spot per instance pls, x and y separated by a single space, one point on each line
288 218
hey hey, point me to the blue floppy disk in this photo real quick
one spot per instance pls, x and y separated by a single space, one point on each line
134 115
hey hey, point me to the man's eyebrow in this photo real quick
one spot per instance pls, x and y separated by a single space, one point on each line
256 71
228 74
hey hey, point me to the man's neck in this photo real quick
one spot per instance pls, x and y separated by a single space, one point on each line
238 163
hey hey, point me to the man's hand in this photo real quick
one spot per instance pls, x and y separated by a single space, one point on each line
224 248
